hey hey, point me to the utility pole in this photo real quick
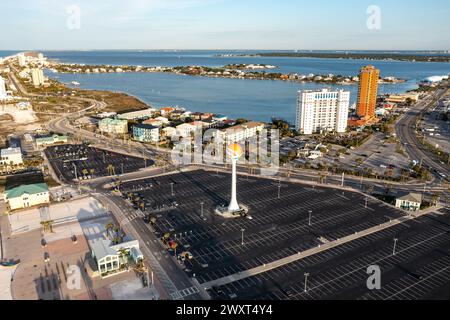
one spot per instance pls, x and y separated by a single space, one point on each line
171 189
310 215
367 199
279 190
342 182
242 237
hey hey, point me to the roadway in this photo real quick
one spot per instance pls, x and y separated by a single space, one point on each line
406 132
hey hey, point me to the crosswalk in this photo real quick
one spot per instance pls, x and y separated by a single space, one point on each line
180 294
134 215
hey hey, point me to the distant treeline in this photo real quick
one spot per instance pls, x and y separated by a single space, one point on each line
363 56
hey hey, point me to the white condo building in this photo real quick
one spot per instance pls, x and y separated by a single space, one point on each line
37 77
322 110
2 89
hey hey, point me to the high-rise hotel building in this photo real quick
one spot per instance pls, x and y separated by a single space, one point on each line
367 92
37 77
322 110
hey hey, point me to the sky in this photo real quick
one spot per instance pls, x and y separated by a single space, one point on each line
225 24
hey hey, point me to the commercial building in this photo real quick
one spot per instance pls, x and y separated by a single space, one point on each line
219 117
37 77
185 129
110 257
168 132
137 115
25 196
409 201
145 133
113 126
21 59
367 92
240 132
167 111
42 142
11 156
2 89
402 98
322 110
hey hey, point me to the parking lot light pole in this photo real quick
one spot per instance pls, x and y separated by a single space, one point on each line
122 167
242 237
395 245
279 190
75 168
201 210
171 188
309 220
367 199
306 281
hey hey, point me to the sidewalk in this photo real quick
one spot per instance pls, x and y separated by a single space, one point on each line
6 274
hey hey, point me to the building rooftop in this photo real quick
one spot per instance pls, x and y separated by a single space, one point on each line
413 197
26 189
112 121
10 151
101 248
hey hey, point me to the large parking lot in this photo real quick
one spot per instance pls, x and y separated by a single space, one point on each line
90 162
279 226
420 268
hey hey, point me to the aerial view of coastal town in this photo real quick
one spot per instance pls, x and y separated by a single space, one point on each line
204 151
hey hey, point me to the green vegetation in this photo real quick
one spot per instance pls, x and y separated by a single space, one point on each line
284 128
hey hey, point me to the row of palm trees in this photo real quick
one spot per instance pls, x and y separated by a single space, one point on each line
115 233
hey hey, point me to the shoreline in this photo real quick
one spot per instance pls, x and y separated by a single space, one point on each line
227 72
347 56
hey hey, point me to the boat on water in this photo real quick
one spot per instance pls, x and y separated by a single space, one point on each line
75 83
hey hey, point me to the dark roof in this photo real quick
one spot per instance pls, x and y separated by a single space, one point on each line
25 178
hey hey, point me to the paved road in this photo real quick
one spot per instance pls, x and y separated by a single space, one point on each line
405 130
172 279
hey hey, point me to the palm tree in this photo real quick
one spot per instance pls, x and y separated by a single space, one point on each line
92 171
109 227
123 257
435 198
47 225
110 169
84 171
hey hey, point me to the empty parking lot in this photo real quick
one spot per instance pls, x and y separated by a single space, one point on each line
419 269
302 217
83 162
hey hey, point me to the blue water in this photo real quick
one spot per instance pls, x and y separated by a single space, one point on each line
252 99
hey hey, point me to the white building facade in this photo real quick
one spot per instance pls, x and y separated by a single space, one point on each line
26 196
11 156
37 77
323 110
